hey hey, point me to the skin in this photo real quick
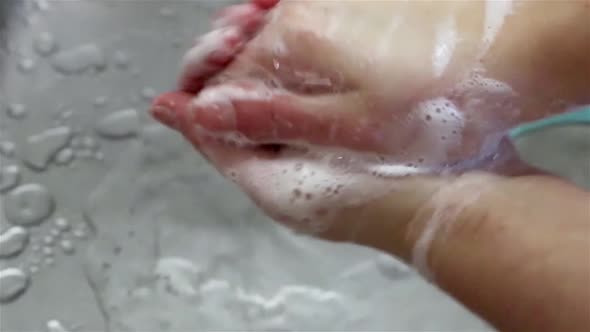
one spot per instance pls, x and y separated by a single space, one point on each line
511 245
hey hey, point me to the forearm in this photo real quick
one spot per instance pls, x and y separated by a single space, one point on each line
519 255
513 250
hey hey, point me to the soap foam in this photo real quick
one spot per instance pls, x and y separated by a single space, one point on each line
495 15
442 125
307 189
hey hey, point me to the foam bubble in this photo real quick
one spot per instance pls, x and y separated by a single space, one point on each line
495 15
224 94
441 131
308 188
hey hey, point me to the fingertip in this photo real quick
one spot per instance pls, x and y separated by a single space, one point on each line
170 107
265 4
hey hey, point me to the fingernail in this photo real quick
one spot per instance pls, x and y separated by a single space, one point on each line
166 116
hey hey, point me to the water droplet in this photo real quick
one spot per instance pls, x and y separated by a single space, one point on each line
45 44
120 124
80 59
148 93
33 269
26 65
9 178
79 233
177 43
28 204
62 224
14 283
48 240
65 115
84 154
99 156
64 157
42 147
49 261
100 101
89 143
54 325
16 111
13 241
121 59
47 251
76 142
7 149
167 12
67 247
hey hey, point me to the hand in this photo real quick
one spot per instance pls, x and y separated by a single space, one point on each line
415 104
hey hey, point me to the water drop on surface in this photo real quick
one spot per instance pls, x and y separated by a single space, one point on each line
99 156
64 157
100 102
28 204
26 65
54 325
177 43
62 224
7 149
65 115
80 59
79 233
47 251
167 12
48 240
45 44
89 143
14 283
76 142
49 261
13 241
148 93
42 147
84 154
120 124
67 247
16 111
9 178
121 59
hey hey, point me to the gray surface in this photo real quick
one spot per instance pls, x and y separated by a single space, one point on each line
161 242
560 150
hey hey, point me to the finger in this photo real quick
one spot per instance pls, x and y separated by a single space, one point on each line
273 116
247 16
235 26
265 4
212 53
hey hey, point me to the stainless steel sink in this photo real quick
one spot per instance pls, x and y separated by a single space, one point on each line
124 228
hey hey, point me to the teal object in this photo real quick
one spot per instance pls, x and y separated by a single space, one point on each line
580 116
559 145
